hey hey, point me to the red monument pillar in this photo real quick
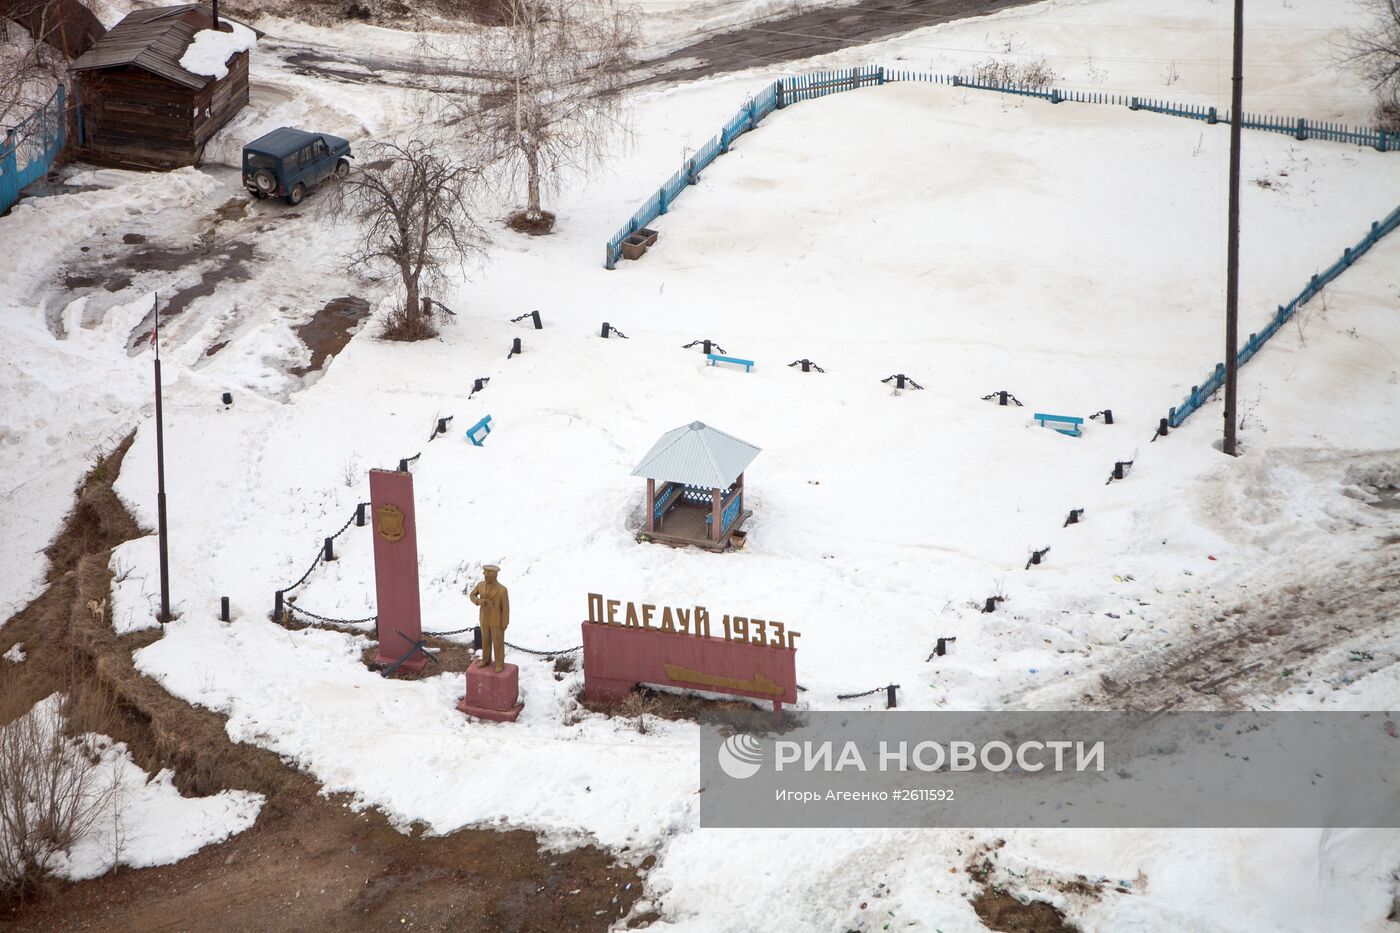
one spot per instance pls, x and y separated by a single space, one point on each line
400 621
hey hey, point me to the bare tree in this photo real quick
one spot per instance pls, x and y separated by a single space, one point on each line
1374 51
30 68
555 73
413 205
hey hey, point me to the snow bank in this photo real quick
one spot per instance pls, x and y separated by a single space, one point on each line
210 50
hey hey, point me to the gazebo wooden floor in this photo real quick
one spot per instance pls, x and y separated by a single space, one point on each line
685 526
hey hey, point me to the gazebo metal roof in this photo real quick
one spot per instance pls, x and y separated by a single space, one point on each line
697 455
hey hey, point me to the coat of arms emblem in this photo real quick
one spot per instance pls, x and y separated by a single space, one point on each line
389 522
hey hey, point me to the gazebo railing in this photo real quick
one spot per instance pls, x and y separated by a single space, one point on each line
669 494
731 512
697 495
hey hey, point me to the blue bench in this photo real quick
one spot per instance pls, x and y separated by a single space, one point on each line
482 427
1065 424
716 358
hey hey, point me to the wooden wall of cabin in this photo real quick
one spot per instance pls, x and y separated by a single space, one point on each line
221 99
130 116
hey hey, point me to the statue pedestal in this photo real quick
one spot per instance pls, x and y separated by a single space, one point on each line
492 695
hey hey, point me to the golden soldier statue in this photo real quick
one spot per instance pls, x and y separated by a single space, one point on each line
494 600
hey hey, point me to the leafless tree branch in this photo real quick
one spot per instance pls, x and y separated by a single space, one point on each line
1373 51
413 204
546 94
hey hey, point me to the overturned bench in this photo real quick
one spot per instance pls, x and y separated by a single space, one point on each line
477 432
1065 424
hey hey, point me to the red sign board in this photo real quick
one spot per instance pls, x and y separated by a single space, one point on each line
400 621
618 657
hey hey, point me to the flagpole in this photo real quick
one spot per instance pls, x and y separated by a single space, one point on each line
160 477
1232 249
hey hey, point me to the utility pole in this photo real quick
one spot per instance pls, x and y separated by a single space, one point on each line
1232 268
160 476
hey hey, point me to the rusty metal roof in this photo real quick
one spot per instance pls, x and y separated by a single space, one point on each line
155 40
697 455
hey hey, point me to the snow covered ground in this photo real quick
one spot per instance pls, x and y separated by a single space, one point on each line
1070 254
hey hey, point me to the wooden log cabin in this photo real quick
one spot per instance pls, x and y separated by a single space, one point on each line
138 107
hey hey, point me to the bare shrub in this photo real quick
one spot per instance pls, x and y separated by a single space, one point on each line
1032 76
51 794
1373 51
637 706
414 206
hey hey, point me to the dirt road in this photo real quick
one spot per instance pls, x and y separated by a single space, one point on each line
816 32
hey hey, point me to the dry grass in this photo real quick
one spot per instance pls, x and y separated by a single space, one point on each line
522 222
1033 76
402 324
740 715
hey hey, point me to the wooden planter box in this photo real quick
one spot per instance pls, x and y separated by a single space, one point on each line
636 245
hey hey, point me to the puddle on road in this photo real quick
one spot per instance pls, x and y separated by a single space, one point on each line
230 262
329 330
1387 497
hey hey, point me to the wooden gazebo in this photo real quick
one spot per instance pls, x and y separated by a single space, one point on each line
695 487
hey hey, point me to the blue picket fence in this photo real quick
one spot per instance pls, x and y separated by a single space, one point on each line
1298 127
30 148
1202 393
777 95
810 86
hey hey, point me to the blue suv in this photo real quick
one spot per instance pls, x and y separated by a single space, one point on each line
287 163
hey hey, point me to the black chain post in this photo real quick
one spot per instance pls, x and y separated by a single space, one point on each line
900 380
1162 428
277 607
360 514
227 398
1036 556
606 327
1073 518
535 316
329 552
1107 415
478 385
223 608
514 348
991 605
889 696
